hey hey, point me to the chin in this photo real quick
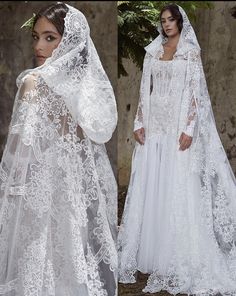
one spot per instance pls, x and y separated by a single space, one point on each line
40 62
172 34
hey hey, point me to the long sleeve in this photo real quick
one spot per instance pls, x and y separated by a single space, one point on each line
145 82
138 122
193 84
25 111
191 119
19 153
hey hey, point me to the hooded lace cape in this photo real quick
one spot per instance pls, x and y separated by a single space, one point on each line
208 161
74 71
58 194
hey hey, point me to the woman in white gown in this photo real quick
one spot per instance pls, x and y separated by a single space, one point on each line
179 220
57 190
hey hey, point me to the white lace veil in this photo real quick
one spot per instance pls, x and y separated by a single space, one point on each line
74 71
187 37
58 194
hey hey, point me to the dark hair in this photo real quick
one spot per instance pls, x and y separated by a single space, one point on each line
55 13
174 10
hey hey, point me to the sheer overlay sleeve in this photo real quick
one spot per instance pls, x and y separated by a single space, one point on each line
192 84
191 119
25 117
138 122
19 150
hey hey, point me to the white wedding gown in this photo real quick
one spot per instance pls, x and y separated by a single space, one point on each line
164 231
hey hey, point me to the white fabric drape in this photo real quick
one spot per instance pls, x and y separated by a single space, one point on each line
74 71
58 194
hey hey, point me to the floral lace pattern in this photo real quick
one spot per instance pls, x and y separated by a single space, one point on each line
58 213
203 256
168 83
58 194
74 72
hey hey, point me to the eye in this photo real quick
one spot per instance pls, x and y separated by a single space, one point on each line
50 38
35 37
172 19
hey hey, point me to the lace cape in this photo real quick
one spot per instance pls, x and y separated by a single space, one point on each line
74 71
208 161
58 194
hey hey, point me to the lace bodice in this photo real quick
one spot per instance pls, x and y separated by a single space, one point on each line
164 103
162 72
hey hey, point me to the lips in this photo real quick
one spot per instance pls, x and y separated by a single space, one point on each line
168 30
40 57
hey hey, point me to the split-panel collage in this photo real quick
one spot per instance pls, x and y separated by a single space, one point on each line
117 148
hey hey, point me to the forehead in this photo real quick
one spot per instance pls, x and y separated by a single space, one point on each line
43 24
166 14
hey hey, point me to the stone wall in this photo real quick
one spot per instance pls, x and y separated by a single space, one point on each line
215 29
16 50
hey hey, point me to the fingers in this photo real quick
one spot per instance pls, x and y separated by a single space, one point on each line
139 136
142 135
181 138
184 145
185 142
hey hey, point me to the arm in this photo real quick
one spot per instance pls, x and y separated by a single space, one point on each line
19 153
139 132
191 119
138 122
194 70
24 114
194 61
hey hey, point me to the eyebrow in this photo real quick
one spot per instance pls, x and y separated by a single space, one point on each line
46 32
167 17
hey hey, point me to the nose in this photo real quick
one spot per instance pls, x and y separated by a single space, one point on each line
167 25
39 46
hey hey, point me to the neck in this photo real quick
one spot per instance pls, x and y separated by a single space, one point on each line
173 40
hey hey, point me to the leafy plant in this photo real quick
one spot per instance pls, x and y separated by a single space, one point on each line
137 26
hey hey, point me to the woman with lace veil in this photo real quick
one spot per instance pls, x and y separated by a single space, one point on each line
57 190
179 220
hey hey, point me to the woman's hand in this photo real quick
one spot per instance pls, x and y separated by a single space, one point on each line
139 135
185 141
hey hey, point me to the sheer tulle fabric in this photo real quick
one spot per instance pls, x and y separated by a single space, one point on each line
58 197
179 221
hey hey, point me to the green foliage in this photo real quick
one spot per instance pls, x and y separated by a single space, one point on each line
137 26
29 23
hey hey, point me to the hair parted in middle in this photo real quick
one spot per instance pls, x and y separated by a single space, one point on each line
174 10
55 13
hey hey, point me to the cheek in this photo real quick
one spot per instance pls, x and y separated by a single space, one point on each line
176 27
34 44
52 46
56 43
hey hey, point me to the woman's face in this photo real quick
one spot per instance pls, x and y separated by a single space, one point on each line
169 24
46 39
